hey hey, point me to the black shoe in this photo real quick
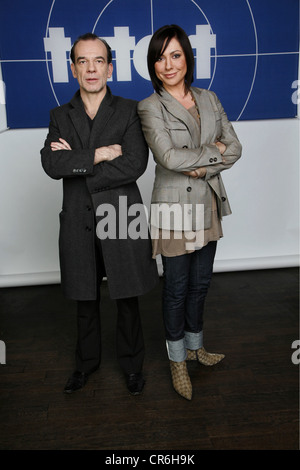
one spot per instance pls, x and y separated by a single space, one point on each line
76 381
135 383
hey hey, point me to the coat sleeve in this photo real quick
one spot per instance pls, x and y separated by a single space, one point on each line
64 163
173 158
126 168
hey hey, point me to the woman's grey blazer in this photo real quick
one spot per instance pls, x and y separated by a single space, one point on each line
177 145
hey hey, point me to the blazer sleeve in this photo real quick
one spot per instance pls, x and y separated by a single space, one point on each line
173 158
64 163
228 137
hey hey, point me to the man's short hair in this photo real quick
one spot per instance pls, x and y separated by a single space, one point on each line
88 37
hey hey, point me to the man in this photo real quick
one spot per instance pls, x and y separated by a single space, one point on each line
95 144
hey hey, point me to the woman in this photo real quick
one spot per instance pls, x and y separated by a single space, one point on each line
192 142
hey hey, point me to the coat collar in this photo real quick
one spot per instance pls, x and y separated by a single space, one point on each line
80 121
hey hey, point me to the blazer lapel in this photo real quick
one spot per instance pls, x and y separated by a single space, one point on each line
179 112
207 115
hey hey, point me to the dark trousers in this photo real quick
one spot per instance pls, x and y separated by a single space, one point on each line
186 282
129 336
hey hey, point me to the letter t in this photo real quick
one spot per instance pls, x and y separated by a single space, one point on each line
58 45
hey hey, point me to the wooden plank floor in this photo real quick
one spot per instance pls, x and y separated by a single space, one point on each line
248 401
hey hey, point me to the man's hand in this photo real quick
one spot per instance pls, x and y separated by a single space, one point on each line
107 153
61 145
101 154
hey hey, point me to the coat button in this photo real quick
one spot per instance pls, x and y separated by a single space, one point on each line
185 147
88 208
88 229
215 159
189 189
223 198
211 160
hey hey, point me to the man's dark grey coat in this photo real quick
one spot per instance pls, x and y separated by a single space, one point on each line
130 269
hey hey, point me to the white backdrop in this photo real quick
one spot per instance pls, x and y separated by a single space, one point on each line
263 188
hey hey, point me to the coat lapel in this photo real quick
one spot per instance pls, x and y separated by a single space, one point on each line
78 116
105 111
79 119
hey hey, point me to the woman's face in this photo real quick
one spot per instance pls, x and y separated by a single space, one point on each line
171 67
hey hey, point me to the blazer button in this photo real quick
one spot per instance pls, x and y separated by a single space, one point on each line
223 198
189 189
185 147
88 208
215 159
211 160
88 229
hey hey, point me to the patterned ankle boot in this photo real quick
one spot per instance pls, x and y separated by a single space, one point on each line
204 357
181 379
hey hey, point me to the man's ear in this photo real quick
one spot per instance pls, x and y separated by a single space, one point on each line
110 70
73 70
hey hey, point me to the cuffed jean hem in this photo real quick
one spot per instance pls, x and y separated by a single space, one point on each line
193 341
176 350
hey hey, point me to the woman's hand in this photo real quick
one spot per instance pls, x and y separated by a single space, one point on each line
198 173
221 147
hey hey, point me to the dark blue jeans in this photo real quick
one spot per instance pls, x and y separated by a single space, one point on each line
186 282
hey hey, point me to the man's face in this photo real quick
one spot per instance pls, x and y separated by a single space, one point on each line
91 68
